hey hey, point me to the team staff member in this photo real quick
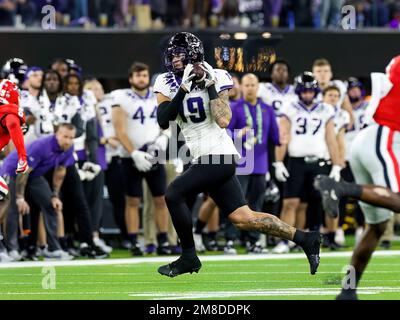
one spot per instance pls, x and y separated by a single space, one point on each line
52 152
250 114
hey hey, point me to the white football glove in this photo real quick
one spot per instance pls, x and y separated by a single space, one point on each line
92 167
187 78
82 174
335 172
142 160
281 172
210 74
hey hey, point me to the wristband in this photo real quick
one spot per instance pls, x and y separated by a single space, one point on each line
212 92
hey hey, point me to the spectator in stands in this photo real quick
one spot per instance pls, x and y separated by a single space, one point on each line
7 12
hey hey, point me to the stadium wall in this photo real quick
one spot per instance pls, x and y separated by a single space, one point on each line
107 54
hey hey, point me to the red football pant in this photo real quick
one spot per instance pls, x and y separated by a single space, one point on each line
12 123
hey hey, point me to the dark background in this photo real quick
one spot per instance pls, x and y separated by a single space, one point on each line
108 54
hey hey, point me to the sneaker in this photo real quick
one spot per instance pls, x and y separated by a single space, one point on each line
329 193
212 245
180 266
229 249
385 244
136 250
164 249
150 248
92 252
198 242
256 248
4 257
126 244
14 255
30 254
339 237
101 244
281 247
311 248
57 255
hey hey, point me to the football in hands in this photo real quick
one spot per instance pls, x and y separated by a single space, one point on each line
199 72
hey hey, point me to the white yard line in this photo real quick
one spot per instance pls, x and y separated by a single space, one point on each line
103 262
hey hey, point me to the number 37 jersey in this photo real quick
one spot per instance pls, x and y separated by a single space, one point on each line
202 134
308 128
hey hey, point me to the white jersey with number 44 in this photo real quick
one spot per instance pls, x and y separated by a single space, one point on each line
141 122
202 134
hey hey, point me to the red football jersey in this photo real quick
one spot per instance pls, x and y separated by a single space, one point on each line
388 111
9 100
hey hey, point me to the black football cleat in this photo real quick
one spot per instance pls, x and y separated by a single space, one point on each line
180 266
329 193
349 294
311 248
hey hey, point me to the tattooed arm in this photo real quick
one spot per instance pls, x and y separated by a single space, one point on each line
220 109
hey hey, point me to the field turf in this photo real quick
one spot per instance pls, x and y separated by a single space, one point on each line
222 277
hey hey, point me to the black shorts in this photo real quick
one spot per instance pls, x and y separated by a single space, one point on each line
132 178
301 178
219 180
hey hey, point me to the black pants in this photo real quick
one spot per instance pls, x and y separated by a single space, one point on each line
253 187
76 208
116 192
94 196
218 180
38 194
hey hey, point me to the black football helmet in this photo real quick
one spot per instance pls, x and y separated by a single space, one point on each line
306 82
187 45
73 66
14 69
353 82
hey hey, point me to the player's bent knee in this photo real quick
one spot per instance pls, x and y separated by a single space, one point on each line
173 195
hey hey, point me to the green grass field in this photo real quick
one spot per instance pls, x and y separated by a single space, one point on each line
242 278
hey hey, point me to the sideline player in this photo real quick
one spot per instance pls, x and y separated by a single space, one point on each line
201 109
375 165
308 135
134 118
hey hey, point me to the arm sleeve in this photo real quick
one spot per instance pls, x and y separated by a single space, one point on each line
92 140
13 124
168 110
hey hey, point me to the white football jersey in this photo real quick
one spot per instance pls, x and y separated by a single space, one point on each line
342 88
104 109
359 124
275 97
202 134
342 119
308 128
68 106
40 108
141 116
